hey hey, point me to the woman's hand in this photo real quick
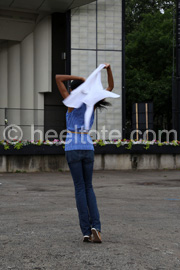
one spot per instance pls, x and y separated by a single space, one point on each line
107 66
82 79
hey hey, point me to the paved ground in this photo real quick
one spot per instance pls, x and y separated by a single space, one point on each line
140 214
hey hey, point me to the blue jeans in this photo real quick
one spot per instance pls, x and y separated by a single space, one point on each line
81 166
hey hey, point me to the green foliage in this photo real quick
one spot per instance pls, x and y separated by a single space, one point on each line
39 143
118 144
101 143
18 145
149 51
6 146
135 10
147 146
160 144
130 144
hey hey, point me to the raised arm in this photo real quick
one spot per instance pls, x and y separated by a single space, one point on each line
59 81
110 77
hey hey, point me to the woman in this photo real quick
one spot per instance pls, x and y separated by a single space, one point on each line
79 153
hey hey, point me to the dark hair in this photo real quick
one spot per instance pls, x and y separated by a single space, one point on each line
102 104
75 84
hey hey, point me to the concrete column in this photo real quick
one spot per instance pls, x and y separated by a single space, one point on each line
42 72
42 56
27 73
3 75
13 74
27 85
13 115
3 85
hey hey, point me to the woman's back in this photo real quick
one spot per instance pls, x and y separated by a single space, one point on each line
75 124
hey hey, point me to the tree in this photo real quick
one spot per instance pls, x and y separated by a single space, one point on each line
149 60
135 10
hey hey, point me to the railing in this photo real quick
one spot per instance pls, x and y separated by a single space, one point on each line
30 124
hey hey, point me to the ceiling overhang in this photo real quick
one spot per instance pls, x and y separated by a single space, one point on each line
19 17
49 6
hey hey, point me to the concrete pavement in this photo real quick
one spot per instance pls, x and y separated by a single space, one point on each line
140 215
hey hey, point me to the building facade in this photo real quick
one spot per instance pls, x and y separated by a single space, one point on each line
39 39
